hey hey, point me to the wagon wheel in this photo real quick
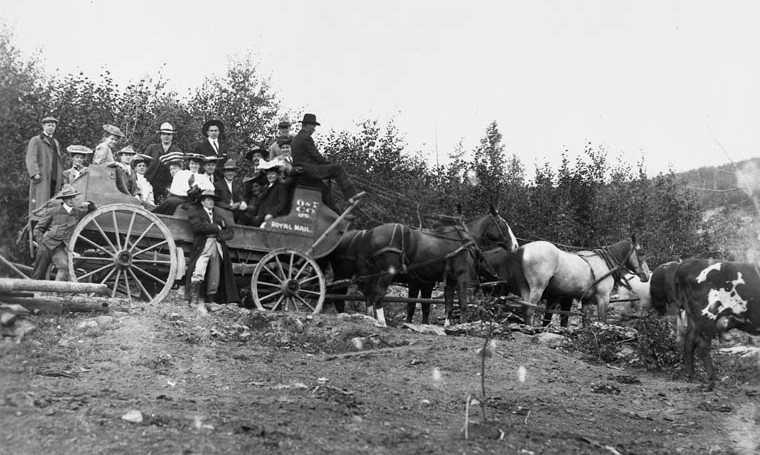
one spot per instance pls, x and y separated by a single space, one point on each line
126 247
286 279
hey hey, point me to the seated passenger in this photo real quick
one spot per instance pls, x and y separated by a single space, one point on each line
274 199
126 181
254 187
177 194
209 169
230 192
285 158
103 154
140 165
78 166
195 164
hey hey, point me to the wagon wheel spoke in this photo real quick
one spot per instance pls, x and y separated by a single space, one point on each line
273 285
103 233
149 261
300 271
108 276
279 266
290 265
116 284
306 291
311 278
139 283
141 236
279 301
116 229
269 296
150 275
94 272
150 247
110 253
129 230
270 272
307 304
126 285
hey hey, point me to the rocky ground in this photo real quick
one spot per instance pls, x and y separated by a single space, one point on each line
164 379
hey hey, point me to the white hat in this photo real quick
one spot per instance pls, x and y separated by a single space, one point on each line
166 127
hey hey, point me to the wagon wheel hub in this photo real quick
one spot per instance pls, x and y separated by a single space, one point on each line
123 258
290 288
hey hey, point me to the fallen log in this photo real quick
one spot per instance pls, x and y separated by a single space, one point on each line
8 285
59 305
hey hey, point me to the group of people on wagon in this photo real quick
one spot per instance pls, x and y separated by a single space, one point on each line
164 178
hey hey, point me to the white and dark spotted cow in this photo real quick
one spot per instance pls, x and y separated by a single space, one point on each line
717 296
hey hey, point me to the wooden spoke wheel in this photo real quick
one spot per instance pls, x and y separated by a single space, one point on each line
126 247
288 280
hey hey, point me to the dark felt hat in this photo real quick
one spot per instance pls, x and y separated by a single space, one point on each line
284 124
229 165
255 149
67 191
128 149
211 123
310 118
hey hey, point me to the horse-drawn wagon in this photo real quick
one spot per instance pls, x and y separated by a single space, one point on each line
139 255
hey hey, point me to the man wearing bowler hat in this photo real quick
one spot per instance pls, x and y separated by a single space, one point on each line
315 166
157 173
44 164
53 234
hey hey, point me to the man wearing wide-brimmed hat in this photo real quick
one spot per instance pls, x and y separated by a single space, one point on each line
211 144
315 166
103 152
44 164
78 153
157 174
53 233
209 271
229 191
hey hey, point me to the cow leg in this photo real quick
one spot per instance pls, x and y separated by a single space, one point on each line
704 343
414 290
426 291
690 343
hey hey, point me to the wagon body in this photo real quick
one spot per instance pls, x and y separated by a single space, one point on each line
125 245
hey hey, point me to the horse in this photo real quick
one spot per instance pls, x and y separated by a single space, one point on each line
448 253
585 275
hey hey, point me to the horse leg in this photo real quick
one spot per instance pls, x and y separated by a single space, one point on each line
602 302
566 304
586 311
551 305
414 290
426 291
533 297
448 295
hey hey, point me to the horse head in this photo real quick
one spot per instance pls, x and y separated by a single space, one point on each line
500 232
635 261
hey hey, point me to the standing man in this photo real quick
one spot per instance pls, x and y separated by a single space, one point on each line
283 134
104 150
157 173
315 166
44 164
53 234
210 262
211 145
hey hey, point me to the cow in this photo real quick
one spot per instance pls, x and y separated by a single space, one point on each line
716 296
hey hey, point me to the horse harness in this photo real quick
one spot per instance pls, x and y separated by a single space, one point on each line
614 268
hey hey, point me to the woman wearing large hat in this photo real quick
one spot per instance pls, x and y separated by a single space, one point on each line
126 181
157 173
53 233
275 199
140 166
103 152
209 271
78 153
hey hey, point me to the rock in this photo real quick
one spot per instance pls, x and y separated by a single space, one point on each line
88 324
358 343
522 337
550 340
104 320
20 400
133 416
426 328
626 352
174 316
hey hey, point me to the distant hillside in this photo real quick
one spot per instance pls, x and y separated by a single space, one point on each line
717 186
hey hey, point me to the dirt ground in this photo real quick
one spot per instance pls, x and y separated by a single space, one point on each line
237 381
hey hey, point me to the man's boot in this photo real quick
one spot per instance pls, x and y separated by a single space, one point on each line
195 291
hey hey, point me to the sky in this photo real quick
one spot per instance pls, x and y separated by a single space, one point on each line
674 82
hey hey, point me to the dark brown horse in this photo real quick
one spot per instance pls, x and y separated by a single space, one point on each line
450 254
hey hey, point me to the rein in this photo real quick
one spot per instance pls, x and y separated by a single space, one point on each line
614 267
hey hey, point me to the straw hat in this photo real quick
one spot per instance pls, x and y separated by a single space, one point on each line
166 128
79 149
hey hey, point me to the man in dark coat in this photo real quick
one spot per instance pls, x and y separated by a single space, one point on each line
44 164
211 145
157 173
315 166
53 233
210 268
274 199
230 191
